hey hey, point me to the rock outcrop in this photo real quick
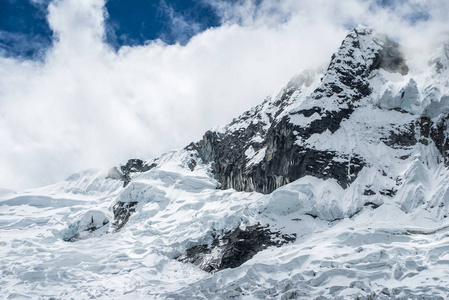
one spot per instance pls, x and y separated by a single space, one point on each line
122 211
134 165
234 248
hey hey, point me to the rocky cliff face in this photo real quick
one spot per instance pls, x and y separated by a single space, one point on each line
234 248
125 172
268 147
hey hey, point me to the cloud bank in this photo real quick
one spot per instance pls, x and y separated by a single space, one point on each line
87 105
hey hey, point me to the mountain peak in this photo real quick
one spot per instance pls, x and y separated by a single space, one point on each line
346 80
375 49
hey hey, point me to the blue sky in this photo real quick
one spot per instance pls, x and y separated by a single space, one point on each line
92 83
136 21
25 32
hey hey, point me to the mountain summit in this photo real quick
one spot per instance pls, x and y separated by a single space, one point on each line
336 188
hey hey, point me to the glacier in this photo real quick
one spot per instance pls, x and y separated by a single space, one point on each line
335 188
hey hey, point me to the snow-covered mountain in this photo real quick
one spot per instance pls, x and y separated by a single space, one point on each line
336 188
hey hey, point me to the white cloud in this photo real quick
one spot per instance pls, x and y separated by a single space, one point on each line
87 106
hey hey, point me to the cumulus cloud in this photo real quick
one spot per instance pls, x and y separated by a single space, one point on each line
88 106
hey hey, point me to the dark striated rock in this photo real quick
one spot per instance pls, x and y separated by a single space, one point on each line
346 76
404 157
284 161
388 192
372 205
122 211
134 165
437 132
234 248
401 138
329 120
287 161
192 164
369 192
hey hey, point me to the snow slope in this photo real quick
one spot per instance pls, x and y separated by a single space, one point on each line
382 234
384 251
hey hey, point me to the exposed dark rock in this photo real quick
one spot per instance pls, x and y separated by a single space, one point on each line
425 125
234 248
388 192
404 157
369 192
401 138
122 211
439 67
312 215
329 120
437 133
192 164
424 142
346 76
372 205
284 160
134 165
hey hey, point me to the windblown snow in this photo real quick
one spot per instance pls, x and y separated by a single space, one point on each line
385 236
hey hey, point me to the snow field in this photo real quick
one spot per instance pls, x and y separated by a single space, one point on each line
383 249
